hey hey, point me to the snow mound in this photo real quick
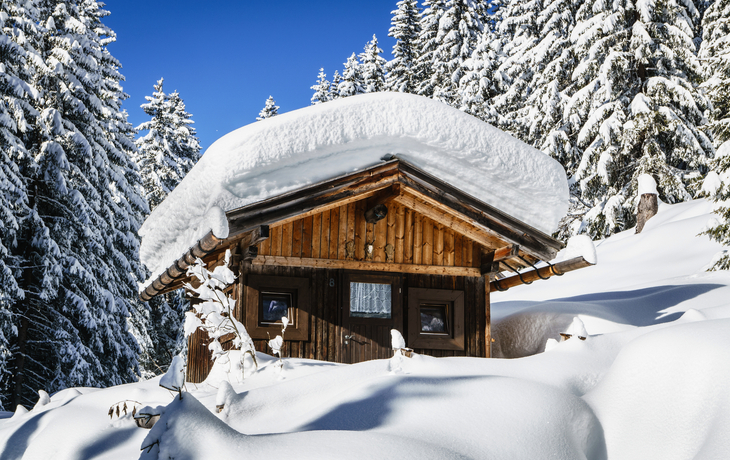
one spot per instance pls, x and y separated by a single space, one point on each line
671 385
317 143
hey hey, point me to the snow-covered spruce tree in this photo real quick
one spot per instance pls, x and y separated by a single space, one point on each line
16 113
405 28
78 247
372 67
715 56
322 91
270 110
477 87
352 82
426 45
634 108
537 71
459 29
165 155
170 148
334 87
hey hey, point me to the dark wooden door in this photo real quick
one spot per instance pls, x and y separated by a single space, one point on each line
372 306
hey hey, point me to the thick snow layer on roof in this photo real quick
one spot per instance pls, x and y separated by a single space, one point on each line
309 145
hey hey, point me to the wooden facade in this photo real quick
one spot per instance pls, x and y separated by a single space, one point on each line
437 249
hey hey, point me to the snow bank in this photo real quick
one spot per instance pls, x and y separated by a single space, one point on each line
309 145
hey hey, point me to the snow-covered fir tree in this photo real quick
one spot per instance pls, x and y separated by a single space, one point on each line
715 56
77 247
352 81
405 28
477 87
372 67
535 72
426 45
334 87
165 155
170 148
16 114
322 90
458 31
270 110
634 108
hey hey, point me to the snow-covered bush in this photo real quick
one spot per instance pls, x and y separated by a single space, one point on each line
214 314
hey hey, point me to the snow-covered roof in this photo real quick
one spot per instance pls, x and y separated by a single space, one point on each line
306 146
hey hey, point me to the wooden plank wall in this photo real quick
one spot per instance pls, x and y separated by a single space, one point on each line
413 237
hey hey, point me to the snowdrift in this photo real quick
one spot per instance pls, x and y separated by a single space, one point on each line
649 381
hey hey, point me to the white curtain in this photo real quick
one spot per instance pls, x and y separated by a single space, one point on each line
368 299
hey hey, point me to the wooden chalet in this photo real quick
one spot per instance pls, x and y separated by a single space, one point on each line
349 259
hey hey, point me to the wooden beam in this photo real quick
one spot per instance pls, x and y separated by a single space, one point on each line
531 240
365 265
448 219
313 199
541 273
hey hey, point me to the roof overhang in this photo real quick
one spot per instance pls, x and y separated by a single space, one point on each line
394 179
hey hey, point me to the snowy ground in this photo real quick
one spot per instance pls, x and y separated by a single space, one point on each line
652 380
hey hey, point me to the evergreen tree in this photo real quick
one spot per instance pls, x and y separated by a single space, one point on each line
77 247
165 155
170 148
477 87
459 29
16 113
334 87
538 68
352 81
715 52
372 67
634 107
322 91
427 44
270 110
405 28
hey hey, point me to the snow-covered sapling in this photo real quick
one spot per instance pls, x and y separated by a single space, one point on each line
278 342
174 378
214 314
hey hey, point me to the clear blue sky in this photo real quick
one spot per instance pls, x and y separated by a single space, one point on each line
225 57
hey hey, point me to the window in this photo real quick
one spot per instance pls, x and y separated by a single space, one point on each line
370 300
269 298
435 319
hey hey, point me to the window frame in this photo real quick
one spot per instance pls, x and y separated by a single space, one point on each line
454 300
298 288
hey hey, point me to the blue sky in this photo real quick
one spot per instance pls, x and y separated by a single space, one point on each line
226 57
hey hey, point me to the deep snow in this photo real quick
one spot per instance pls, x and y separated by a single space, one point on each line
650 381
309 145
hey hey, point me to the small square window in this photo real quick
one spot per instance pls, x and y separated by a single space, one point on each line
274 306
370 300
269 298
434 319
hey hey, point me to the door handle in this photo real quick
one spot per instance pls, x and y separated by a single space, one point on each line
350 337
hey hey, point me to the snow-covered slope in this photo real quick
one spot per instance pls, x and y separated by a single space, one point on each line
316 143
649 382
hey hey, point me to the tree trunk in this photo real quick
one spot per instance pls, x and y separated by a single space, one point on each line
648 206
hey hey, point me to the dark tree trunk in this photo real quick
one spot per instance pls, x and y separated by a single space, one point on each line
648 206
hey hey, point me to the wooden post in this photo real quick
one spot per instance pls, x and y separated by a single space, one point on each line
487 319
488 270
